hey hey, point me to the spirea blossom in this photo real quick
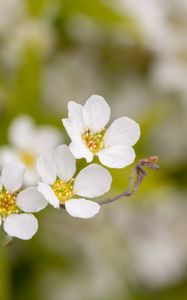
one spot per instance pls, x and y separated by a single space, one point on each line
86 126
60 186
16 205
27 142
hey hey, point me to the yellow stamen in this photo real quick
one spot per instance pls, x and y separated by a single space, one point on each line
63 190
8 204
94 142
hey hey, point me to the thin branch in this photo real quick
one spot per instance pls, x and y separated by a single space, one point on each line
136 178
8 241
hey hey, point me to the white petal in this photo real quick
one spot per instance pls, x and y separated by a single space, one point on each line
21 132
48 193
65 162
47 139
96 113
79 150
22 226
75 113
73 130
123 132
92 181
31 177
82 208
7 154
12 175
117 157
30 200
46 168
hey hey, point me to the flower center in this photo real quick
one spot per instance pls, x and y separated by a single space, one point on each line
28 158
63 190
8 204
94 142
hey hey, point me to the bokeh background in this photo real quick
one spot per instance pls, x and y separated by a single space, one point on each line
134 53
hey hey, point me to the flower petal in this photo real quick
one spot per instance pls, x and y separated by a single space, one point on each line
96 113
82 208
75 113
46 168
21 132
30 200
73 130
22 226
123 132
79 150
47 138
12 175
31 177
7 154
48 193
65 162
117 157
92 181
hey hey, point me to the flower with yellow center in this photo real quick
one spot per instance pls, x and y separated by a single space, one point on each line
94 142
27 142
60 186
63 190
16 204
8 203
86 126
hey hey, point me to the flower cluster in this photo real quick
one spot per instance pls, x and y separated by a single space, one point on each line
55 180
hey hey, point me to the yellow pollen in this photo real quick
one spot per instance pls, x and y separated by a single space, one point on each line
8 204
28 158
63 190
94 142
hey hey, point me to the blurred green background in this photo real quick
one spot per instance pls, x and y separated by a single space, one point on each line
134 53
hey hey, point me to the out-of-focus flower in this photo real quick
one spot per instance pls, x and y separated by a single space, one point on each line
151 18
27 142
60 80
10 13
28 33
155 233
86 128
16 205
59 186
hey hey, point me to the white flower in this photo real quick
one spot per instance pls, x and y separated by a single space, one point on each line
86 128
27 142
17 205
59 186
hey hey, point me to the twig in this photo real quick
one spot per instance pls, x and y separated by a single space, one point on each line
140 173
8 241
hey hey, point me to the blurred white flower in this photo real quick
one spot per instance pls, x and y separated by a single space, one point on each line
59 186
86 128
151 18
155 233
60 80
27 33
16 205
11 13
27 142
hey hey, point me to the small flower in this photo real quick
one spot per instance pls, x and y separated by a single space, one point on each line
27 142
60 187
16 205
86 128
